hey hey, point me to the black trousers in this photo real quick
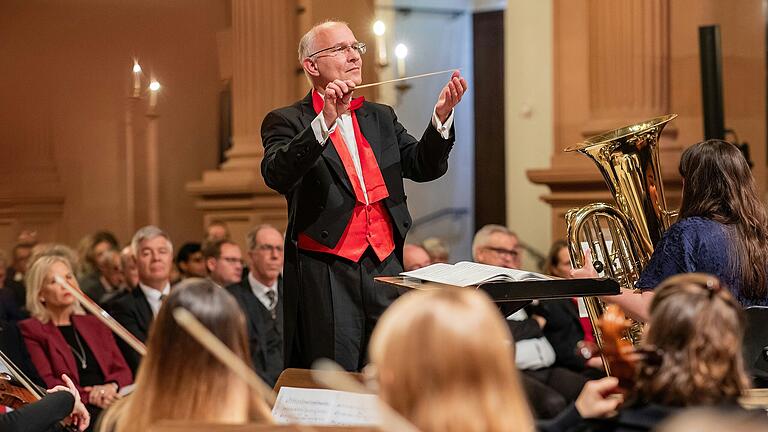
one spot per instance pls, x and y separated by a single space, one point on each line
551 389
339 304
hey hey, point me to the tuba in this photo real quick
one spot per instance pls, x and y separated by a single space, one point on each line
622 237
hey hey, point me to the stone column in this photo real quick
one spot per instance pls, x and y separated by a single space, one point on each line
263 42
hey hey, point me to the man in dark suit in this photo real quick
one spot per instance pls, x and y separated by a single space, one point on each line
136 310
260 296
340 164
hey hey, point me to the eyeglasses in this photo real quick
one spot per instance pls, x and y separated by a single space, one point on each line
232 260
336 50
508 253
269 248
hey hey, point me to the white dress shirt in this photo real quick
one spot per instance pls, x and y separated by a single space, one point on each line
532 354
153 296
347 130
260 291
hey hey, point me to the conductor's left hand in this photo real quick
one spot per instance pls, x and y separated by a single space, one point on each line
450 96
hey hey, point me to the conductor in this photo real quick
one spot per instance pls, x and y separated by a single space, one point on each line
340 163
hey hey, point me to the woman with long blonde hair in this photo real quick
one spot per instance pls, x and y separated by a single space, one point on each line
445 362
179 379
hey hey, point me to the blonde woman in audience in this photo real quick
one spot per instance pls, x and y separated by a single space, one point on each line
444 361
179 379
62 339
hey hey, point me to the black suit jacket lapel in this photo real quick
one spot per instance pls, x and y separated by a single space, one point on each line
369 127
330 154
143 310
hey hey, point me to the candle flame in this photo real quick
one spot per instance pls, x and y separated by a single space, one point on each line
154 86
401 51
136 67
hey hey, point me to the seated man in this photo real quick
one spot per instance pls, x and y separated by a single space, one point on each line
260 296
136 310
549 388
224 262
107 279
415 257
190 261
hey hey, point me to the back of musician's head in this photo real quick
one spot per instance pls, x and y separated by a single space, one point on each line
697 327
445 361
178 378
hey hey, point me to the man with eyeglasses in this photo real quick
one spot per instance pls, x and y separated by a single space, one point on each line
260 298
224 262
340 162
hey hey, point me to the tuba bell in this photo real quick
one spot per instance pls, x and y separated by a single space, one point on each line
622 237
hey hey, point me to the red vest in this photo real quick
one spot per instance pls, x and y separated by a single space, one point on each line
369 224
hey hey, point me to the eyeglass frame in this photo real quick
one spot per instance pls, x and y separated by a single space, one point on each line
360 47
512 253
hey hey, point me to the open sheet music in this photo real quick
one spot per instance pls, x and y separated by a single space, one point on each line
467 273
325 407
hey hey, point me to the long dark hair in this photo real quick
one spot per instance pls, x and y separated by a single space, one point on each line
718 185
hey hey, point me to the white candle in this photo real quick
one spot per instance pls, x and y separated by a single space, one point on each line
136 78
154 88
401 52
381 45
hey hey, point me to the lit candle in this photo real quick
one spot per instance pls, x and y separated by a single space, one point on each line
136 78
154 87
401 52
379 29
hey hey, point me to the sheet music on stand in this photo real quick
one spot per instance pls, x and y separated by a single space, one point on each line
325 407
513 288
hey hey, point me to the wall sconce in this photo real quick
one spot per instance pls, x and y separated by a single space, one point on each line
381 44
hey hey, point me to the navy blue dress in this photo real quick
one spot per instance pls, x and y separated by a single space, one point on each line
695 244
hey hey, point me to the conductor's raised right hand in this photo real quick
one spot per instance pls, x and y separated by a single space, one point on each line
338 94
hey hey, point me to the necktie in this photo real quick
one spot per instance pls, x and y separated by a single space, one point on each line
272 296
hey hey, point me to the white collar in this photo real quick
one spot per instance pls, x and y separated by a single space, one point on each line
260 287
154 294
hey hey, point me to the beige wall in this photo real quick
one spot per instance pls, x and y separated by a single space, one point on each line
65 79
529 111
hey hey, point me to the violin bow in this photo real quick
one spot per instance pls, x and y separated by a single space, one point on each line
104 317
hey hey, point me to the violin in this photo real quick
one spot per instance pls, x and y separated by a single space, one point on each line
621 357
17 390
13 394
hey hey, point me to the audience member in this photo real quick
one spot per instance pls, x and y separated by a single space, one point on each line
463 377
216 230
62 339
549 388
135 311
260 296
10 308
107 279
89 249
224 262
190 261
437 248
179 379
130 269
415 257
20 254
